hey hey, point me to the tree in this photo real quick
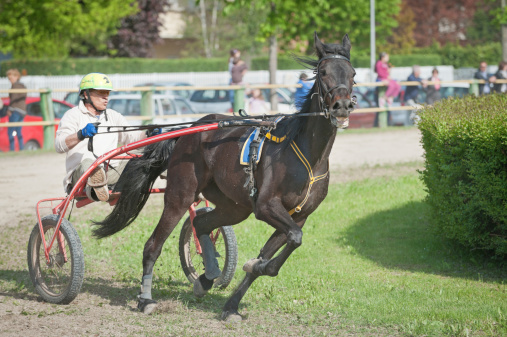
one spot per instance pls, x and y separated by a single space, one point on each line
138 32
289 20
402 39
52 28
441 21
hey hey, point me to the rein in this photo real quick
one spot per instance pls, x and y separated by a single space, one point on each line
225 122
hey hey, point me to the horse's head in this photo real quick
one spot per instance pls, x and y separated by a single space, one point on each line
335 79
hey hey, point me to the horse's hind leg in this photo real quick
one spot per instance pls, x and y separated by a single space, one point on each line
176 204
226 213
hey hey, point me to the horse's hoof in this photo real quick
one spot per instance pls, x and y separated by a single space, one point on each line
199 291
146 306
231 317
249 265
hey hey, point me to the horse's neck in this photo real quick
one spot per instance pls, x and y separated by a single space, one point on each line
317 138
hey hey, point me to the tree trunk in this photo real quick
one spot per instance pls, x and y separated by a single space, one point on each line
273 65
204 25
504 38
213 29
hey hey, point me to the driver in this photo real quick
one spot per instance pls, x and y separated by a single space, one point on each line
79 124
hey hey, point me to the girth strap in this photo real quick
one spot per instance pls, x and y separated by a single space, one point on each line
313 179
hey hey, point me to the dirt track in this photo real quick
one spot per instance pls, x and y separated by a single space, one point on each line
28 178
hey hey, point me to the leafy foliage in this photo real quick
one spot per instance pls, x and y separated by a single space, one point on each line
138 32
466 157
52 28
296 20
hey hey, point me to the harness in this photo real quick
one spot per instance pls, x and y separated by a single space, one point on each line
256 139
261 133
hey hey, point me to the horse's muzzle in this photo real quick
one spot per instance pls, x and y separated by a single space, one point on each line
340 112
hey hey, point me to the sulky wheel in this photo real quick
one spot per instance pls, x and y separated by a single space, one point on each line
226 250
60 280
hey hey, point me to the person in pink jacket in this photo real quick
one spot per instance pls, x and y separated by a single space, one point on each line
382 68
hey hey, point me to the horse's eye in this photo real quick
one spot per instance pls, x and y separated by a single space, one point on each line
323 72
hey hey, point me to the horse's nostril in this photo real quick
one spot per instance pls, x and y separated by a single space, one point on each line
336 106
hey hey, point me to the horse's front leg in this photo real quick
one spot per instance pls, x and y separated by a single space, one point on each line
275 214
275 242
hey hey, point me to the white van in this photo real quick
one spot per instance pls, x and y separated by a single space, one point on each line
166 109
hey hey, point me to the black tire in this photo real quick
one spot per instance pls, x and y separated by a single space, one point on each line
32 145
225 246
60 281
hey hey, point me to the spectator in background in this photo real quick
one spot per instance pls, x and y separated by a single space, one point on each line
482 74
412 91
302 93
392 89
256 103
501 74
238 71
16 109
433 90
233 54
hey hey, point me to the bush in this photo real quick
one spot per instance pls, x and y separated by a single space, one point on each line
466 170
466 56
53 67
50 67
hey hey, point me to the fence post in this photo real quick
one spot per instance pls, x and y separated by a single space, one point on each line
239 99
474 88
147 104
46 107
382 115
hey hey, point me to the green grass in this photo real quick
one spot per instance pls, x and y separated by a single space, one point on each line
368 265
367 257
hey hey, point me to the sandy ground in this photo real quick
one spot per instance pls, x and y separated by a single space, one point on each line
28 178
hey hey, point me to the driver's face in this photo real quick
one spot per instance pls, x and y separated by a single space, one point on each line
99 98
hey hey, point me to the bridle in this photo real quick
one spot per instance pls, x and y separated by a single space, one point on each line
320 85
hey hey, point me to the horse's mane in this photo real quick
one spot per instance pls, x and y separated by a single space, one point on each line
291 126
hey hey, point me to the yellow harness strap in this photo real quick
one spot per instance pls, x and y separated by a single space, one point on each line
313 179
275 138
305 162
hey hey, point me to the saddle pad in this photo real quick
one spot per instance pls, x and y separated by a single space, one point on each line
244 158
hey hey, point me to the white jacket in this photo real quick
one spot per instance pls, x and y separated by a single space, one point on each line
77 118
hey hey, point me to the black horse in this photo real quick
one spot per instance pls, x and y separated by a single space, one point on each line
291 179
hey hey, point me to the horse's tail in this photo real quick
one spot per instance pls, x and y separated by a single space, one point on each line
135 184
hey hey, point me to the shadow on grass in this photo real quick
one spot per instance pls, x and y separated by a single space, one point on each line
402 238
120 293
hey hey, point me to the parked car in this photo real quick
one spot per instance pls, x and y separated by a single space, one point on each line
72 98
181 93
33 136
165 108
211 101
218 100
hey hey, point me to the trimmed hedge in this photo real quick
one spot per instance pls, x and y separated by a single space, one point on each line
466 56
53 67
401 60
465 174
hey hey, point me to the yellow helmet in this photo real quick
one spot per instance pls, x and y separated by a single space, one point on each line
95 81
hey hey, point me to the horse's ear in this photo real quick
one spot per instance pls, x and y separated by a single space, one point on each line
319 47
346 42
